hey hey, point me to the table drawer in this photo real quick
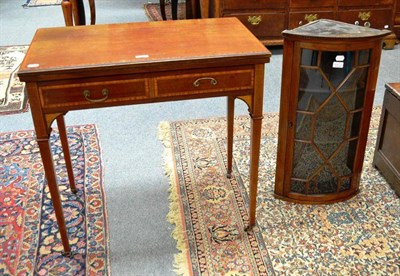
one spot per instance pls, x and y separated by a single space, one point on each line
296 19
378 19
253 4
199 83
263 25
312 3
93 93
352 3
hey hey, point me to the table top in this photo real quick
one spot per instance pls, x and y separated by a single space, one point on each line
140 46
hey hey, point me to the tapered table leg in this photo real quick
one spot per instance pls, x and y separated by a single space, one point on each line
67 156
256 113
254 162
47 158
230 123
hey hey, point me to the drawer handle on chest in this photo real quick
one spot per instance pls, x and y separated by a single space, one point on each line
105 92
212 81
254 20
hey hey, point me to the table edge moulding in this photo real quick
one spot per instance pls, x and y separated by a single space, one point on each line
81 67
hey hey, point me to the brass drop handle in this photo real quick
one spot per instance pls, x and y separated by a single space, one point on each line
254 20
212 81
105 92
364 15
367 24
311 17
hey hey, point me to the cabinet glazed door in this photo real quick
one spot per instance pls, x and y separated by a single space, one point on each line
330 103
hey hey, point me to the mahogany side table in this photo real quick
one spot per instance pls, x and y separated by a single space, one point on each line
137 63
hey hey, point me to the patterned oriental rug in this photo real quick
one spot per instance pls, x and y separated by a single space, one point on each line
13 98
153 11
360 236
39 3
29 239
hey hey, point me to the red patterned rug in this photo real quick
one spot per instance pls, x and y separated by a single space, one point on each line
29 239
153 11
13 98
360 236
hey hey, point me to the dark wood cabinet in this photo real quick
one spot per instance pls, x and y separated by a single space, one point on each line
328 82
268 18
387 150
396 26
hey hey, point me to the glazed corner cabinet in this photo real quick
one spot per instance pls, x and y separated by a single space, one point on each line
268 18
329 76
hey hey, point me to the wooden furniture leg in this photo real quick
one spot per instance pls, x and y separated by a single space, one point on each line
162 9
174 9
67 156
67 12
256 109
47 158
230 123
189 9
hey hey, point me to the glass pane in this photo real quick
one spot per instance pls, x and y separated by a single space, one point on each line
353 90
309 57
323 183
303 126
345 184
298 187
313 89
363 57
330 126
337 65
340 161
306 160
355 122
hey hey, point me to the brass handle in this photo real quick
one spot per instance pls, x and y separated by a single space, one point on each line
367 24
212 81
310 17
105 92
254 20
364 15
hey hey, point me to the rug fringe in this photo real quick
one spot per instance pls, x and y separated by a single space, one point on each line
181 266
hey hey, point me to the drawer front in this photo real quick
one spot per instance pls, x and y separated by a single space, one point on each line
378 19
297 19
353 3
263 25
312 3
253 4
93 93
204 83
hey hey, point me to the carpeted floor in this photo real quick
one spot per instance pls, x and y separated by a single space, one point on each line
29 237
13 98
153 11
360 236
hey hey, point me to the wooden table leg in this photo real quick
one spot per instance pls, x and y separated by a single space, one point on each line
256 113
254 162
47 158
174 9
67 157
162 9
230 123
